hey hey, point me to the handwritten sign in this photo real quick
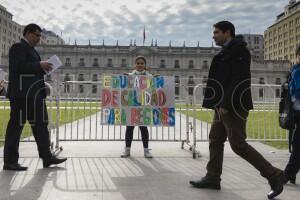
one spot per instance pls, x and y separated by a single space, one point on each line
138 100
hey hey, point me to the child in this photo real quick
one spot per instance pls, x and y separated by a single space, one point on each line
140 69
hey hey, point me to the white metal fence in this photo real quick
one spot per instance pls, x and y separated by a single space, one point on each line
78 117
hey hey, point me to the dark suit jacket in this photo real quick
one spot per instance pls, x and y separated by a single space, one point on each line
26 77
229 78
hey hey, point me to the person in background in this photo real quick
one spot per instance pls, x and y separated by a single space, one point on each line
139 69
293 166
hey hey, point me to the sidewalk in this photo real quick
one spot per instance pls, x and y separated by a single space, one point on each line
94 170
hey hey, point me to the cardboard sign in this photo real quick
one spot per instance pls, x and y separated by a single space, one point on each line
138 100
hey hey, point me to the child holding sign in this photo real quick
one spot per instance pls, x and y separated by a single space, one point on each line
140 69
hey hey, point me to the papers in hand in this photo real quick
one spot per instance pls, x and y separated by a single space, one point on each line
56 63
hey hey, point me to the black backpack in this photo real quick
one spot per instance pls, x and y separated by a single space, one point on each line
286 114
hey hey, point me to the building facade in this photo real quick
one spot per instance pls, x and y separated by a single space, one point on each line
283 37
50 38
256 45
10 31
84 66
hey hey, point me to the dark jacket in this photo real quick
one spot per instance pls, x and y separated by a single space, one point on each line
229 79
26 77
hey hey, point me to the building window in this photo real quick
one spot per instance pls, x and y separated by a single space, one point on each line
191 80
191 64
94 89
261 80
123 63
81 89
68 62
278 93
176 64
176 91
67 85
81 62
109 63
95 63
191 91
95 77
177 81
80 77
278 81
205 64
162 64
261 92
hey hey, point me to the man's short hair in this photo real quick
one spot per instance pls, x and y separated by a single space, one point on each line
226 26
31 28
298 50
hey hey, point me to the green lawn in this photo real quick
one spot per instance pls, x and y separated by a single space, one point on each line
70 112
260 125
270 107
278 144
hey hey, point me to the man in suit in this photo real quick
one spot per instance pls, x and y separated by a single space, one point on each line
26 93
228 93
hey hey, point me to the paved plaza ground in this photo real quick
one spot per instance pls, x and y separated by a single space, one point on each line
94 170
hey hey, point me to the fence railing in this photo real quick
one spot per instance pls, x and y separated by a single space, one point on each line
78 117
53 119
262 123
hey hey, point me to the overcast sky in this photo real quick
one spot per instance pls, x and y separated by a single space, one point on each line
123 20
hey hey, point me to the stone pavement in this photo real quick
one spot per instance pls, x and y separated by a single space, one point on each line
94 170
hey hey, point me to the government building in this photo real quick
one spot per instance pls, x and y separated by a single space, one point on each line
84 65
